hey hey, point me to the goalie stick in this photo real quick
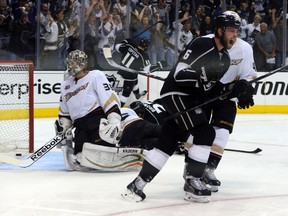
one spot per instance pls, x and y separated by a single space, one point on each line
175 115
245 151
35 156
108 56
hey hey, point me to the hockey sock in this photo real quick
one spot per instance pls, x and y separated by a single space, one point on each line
148 172
195 168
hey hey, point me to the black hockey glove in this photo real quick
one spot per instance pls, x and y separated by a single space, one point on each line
246 100
238 88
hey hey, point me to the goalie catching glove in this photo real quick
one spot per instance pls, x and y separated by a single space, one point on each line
109 128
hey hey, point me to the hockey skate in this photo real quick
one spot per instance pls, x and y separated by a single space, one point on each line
195 190
140 95
210 179
134 190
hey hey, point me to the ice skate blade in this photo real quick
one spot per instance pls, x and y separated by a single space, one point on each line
128 195
211 188
193 198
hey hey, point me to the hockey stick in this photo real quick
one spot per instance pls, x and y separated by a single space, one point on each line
108 56
245 151
35 156
175 115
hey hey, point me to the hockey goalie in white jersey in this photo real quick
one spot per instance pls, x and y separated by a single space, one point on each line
92 108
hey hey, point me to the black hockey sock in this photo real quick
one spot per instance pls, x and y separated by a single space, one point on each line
148 172
195 168
214 160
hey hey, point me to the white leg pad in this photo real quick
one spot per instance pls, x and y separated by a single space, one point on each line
69 157
112 158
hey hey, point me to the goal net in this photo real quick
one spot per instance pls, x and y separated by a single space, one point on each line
16 106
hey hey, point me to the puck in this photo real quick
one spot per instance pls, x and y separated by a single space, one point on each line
18 154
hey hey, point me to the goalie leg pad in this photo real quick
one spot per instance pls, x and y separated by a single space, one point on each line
69 157
112 158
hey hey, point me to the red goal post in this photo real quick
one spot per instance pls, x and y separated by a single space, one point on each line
16 106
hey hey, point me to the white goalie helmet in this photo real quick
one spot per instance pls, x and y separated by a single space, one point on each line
77 61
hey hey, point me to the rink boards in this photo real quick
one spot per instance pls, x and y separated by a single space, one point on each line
271 92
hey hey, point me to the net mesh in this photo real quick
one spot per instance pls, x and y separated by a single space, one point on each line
14 107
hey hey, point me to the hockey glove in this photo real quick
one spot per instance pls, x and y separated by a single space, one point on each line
109 128
245 101
238 88
64 126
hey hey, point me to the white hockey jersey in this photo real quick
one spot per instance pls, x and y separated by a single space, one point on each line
128 116
242 63
78 98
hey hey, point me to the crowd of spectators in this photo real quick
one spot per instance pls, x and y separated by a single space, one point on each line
62 26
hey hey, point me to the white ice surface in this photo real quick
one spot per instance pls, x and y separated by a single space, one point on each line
252 184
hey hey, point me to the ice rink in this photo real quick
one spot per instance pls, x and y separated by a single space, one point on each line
252 184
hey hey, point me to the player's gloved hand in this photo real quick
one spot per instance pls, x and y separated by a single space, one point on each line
246 100
64 126
109 128
238 88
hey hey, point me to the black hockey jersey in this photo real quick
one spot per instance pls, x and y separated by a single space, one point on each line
133 58
154 112
198 68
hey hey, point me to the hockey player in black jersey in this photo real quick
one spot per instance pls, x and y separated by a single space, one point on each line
190 83
154 112
151 111
134 56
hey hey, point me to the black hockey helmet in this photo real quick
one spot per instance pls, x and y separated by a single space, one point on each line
228 19
144 42
138 107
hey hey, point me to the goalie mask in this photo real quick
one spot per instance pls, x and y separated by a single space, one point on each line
77 61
